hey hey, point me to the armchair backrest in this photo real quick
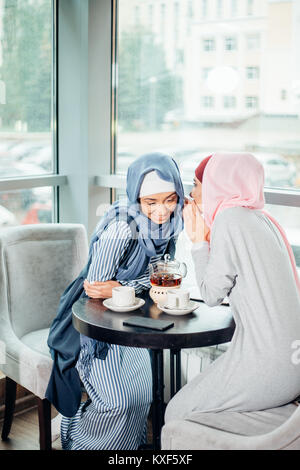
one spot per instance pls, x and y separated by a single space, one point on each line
37 263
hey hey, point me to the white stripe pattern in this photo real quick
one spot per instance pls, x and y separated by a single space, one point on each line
119 387
120 392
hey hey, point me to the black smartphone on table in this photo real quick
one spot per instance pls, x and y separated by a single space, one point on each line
151 323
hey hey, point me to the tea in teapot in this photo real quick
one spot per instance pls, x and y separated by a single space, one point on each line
165 274
166 280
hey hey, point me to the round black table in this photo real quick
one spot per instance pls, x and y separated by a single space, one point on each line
206 326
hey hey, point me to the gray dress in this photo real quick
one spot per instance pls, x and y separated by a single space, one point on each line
247 261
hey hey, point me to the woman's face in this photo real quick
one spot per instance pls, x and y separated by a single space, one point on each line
196 192
159 207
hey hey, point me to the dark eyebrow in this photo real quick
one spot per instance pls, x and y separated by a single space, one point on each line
168 197
171 195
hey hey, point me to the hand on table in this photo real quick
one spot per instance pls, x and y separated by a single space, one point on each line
100 290
194 223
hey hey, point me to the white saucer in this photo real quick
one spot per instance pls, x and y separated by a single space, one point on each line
108 303
179 311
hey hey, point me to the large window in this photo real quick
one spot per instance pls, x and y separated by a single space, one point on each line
213 101
230 43
26 206
26 107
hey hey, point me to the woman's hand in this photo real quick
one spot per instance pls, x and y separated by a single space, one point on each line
100 290
194 223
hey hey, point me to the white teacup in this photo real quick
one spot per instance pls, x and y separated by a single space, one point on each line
123 296
178 298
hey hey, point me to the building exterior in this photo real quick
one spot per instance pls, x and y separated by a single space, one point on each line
242 63
237 58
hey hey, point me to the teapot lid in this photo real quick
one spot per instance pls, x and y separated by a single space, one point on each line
168 261
167 258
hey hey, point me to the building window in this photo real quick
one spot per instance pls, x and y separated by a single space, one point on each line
176 20
162 18
179 56
150 15
229 101
209 44
253 41
190 9
283 95
252 73
205 72
250 7
137 15
233 8
251 102
208 101
204 8
219 8
230 43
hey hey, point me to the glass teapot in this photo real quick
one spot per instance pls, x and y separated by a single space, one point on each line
167 273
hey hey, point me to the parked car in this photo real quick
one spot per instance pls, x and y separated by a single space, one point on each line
38 213
278 171
11 169
7 218
22 153
29 169
42 157
6 146
24 148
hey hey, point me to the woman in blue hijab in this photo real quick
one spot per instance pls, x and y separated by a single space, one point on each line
118 379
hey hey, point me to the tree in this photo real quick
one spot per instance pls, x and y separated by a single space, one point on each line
27 64
147 90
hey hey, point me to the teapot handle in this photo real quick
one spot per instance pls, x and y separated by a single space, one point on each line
183 267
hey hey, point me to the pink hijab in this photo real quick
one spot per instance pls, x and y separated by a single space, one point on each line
236 179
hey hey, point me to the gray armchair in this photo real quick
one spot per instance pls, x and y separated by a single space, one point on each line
37 263
273 429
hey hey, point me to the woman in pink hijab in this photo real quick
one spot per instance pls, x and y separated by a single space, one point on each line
242 253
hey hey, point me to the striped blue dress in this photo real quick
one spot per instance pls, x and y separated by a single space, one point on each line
120 386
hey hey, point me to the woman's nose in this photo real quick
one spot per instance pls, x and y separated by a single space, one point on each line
162 209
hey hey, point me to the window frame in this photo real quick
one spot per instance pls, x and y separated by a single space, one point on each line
208 43
230 43
252 72
54 179
251 102
229 102
81 185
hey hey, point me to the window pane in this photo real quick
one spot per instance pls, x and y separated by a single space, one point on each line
28 206
253 41
229 101
25 87
289 219
198 85
230 43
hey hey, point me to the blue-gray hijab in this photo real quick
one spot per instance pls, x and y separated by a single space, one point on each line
64 387
152 239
